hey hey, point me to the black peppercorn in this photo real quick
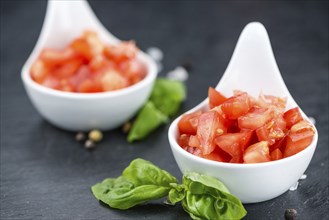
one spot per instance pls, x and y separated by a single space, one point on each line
290 214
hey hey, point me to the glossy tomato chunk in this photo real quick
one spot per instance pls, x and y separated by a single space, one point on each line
256 118
300 136
276 154
188 123
215 98
257 153
270 132
292 116
208 126
236 106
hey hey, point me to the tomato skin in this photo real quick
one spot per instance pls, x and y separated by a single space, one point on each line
54 57
67 69
112 80
254 119
194 141
300 136
236 106
257 153
121 52
215 98
292 116
185 125
207 128
39 71
276 154
183 140
270 132
234 144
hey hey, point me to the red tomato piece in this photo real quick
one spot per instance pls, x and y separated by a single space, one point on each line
276 154
53 57
183 140
236 106
257 153
194 141
95 45
68 68
215 98
270 132
208 126
234 144
89 86
99 62
216 155
276 103
39 71
292 116
113 80
81 47
51 82
134 70
300 136
255 118
188 123
121 52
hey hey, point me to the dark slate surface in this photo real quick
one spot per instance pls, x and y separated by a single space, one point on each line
45 174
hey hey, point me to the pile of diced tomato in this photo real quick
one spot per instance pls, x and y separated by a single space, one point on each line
87 65
242 129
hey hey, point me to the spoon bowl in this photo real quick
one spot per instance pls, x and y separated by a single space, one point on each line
65 21
253 69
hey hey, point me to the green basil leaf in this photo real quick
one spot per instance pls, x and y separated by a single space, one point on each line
177 193
140 182
142 172
206 199
148 119
167 95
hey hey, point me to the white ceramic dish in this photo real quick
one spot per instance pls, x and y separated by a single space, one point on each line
252 69
66 20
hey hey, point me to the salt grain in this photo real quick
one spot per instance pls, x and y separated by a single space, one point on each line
294 187
179 73
155 53
304 176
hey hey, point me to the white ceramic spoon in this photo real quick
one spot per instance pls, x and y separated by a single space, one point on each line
65 21
252 69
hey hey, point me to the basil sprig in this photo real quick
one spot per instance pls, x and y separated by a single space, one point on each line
202 197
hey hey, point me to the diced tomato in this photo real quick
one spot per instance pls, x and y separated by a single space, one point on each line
51 82
255 118
112 80
183 140
257 153
236 106
300 136
99 62
185 124
89 86
234 144
95 45
243 130
216 155
276 154
270 132
81 47
134 70
39 71
54 57
292 116
68 68
121 52
207 128
276 103
215 98
194 141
